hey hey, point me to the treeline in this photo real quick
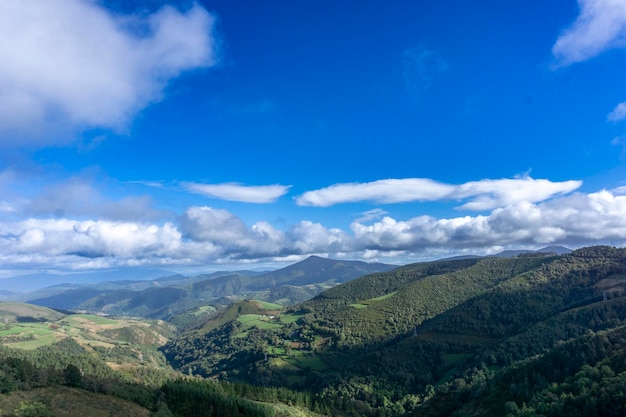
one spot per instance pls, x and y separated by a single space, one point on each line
68 364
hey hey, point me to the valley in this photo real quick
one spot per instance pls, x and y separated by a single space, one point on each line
477 336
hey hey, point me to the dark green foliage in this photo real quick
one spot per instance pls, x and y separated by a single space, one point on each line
429 336
26 370
73 376
208 399
32 409
534 335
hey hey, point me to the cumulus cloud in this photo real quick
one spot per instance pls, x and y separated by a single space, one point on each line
209 224
308 237
601 25
54 239
238 192
228 232
236 240
572 220
206 235
70 65
483 195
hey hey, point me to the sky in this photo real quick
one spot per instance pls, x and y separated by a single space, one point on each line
243 134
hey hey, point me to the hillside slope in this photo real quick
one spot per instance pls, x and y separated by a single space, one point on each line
407 340
165 298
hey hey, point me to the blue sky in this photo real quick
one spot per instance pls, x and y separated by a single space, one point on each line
195 136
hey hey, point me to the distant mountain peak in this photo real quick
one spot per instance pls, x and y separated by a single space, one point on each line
559 250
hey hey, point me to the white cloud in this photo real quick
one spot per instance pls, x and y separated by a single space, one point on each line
70 65
483 195
601 25
619 190
238 192
206 235
381 191
618 114
229 233
489 194
51 239
307 237
573 220
215 225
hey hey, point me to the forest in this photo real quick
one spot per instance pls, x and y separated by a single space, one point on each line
531 335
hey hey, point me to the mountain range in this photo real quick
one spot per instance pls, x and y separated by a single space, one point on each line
167 296
437 338
535 334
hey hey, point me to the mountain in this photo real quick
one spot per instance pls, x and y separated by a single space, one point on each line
484 336
557 250
315 269
6 295
548 250
531 335
167 296
33 282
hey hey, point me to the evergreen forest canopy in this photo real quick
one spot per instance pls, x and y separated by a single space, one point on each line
531 335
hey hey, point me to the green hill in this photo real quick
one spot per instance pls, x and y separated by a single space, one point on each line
20 312
126 345
404 341
169 297
64 401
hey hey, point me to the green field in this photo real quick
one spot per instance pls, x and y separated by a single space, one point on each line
269 306
43 340
290 317
203 310
89 319
384 297
356 305
301 360
277 350
85 329
260 321
10 311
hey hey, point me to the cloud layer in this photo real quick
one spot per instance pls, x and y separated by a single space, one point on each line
70 65
483 195
204 235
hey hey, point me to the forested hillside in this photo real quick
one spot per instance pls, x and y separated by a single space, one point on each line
428 337
54 364
533 335
167 297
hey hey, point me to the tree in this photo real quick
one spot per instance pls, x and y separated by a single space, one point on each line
73 376
32 409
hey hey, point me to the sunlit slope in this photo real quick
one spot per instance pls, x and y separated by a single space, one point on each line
419 328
